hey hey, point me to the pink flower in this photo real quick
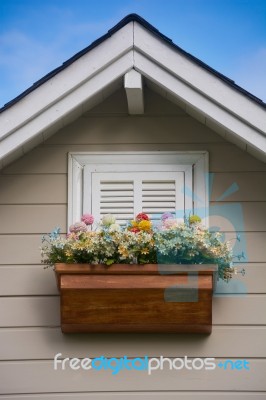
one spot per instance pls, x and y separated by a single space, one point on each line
78 227
167 215
87 219
170 223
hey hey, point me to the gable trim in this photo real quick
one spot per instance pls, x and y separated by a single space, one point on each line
134 45
199 101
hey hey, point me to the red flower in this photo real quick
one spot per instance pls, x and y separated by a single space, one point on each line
141 217
134 230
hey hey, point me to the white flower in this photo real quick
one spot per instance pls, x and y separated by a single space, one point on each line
115 228
108 220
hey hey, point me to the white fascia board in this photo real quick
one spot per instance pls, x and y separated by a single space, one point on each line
134 91
199 78
66 104
67 80
199 101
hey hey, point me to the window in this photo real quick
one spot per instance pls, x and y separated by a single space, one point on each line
125 184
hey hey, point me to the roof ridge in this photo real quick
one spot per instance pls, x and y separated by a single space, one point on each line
127 19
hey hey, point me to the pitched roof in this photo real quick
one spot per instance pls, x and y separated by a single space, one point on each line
117 27
95 72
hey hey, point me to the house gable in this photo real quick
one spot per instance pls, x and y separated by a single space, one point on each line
92 75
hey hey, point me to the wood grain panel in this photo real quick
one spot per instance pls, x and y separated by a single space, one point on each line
29 280
44 343
34 376
45 311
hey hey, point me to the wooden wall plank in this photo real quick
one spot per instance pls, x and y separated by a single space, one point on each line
26 280
40 377
237 216
123 129
41 187
33 189
44 343
49 159
27 248
159 395
29 311
45 311
32 218
252 282
250 186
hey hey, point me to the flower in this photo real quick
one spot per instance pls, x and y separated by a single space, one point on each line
108 219
167 215
141 217
140 223
194 219
88 219
144 225
78 227
174 242
170 223
134 230
114 228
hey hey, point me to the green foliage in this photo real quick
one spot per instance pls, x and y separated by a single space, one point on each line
169 242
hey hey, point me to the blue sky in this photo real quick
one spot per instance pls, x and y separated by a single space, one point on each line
36 36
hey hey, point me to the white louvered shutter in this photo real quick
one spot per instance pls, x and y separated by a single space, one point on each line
125 194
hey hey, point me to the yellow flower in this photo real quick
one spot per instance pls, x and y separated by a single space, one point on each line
123 251
144 225
145 250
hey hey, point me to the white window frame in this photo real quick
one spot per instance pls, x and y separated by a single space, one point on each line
195 161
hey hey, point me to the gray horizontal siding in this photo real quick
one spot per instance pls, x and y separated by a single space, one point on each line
159 395
44 343
28 280
33 200
40 377
45 311
27 247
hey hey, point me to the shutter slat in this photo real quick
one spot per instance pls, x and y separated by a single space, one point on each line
116 186
158 193
117 198
158 204
158 211
158 197
129 193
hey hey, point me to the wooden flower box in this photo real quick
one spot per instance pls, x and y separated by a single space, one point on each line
136 298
